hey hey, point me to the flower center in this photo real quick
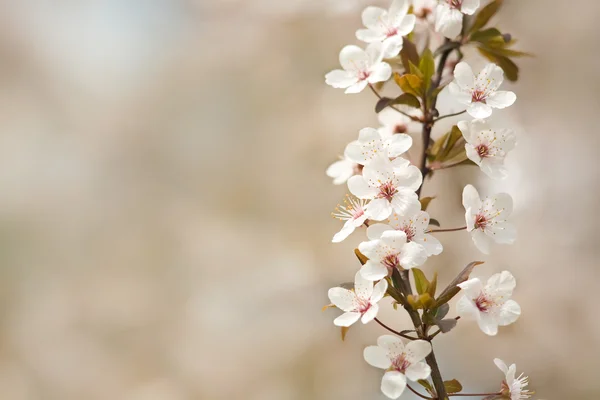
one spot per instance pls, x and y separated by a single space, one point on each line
480 221
454 3
363 75
400 128
363 305
482 150
478 96
391 32
424 12
410 232
391 260
387 191
400 363
352 209
484 303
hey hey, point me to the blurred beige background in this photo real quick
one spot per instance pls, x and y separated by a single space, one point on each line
164 212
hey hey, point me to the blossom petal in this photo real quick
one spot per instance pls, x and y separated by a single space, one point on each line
407 25
392 344
369 249
362 287
398 144
347 319
503 202
380 72
353 58
370 314
392 46
472 287
406 202
488 324
509 313
343 299
460 95
340 171
469 6
357 87
393 384
413 255
394 239
491 166
479 110
378 209
448 21
501 99
374 53
418 371
380 169
464 76
373 270
503 232
501 365
375 231
470 198
490 77
340 79
417 350
481 240
346 231
398 10
359 187
432 245
379 291
502 284
370 35
377 357
372 16
465 307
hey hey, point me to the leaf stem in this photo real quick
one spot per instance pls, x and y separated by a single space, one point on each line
449 115
446 230
475 394
413 118
417 393
395 332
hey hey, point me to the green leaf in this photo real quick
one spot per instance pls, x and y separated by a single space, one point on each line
445 47
484 16
407 100
455 135
434 222
510 68
425 202
433 285
421 282
486 34
441 311
453 386
361 257
344 330
415 70
409 54
427 67
453 289
409 83
427 386
382 104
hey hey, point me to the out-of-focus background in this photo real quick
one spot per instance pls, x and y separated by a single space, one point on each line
164 212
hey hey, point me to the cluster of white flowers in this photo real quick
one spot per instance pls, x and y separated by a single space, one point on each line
383 188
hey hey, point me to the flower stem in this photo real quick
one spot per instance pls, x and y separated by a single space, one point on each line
446 230
417 393
449 115
475 394
394 331
393 107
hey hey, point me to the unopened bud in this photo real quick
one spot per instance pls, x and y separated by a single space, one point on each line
507 37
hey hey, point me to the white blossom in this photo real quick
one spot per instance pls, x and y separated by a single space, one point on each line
487 147
415 227
360 67
387 27
490 304
486 219
343 169
513 387
400 361
388 249
360 303
370 144
449 16
480 93
392 122
390 185
424 10
353 212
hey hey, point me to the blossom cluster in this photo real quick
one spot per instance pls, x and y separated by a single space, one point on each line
384 185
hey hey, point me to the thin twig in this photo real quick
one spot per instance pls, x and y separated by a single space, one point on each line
446 230
475 394
418 394
392 107
449 115
396 332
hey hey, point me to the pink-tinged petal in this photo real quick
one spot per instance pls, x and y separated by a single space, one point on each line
509 313
343 299
473 154
370 314
375 231
413 255
340 171
470 198
418 371
340 79
359 187
346 231
377 357
393 384
502 284
417 350
405 202
357 87
407 25
362 287
432 245
379 291
501 365
370 35
491 77
503 233
372 16
398 144
448 21
380 72
479 110
394 239
488 324
464 76
466 308
471 287
482 241
347 319
373 270
378 209
353 58
501 99
469 6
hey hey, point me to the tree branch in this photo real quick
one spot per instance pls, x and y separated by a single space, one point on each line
394 331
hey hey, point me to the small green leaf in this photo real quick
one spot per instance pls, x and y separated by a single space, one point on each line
427 67
484 16
409 83
451 140
427 386
407 100
415 70
508 66
382 104
421 282
425 202
453 386
344 330
361 257
453 289
433 285
486 34
434 222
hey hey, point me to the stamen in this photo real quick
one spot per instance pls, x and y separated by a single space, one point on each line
352 209
387 191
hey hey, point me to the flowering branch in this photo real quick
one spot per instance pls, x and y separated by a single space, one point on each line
386 187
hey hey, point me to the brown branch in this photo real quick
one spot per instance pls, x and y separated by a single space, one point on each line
446 230
417 393
475 394
394 331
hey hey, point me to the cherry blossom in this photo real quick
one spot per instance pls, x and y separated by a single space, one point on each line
449 16
400 361
359 303
360 68
389 249
487 147
513 388
486 219
370 144
490 305
353 212
480 93
392 122
343 169
415 226
387 27
390 185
